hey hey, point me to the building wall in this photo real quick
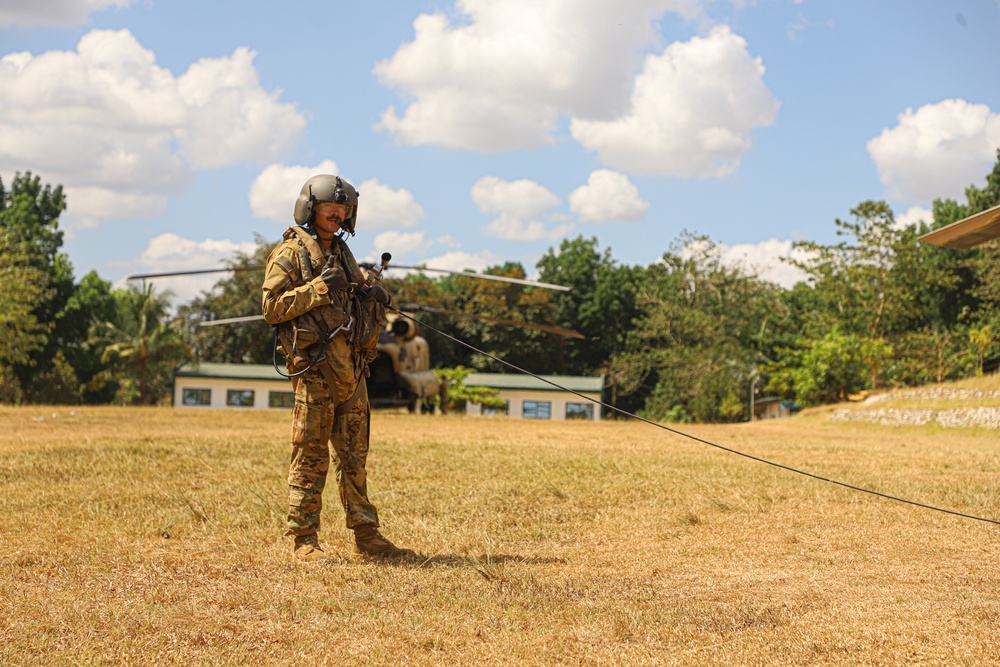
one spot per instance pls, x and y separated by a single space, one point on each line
557 401
220 387
772 410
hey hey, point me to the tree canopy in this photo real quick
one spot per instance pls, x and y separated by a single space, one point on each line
688 337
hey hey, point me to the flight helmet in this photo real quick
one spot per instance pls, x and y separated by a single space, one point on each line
326 187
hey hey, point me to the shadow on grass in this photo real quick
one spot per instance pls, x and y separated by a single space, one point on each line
484 563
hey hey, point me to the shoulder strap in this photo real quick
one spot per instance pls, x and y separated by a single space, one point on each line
313 248
350 264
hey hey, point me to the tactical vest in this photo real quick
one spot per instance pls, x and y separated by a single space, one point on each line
361 320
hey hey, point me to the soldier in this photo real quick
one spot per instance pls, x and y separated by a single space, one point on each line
328 320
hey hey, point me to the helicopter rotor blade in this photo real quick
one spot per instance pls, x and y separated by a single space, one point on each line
547 328
231 320
367 265
484 276
144 276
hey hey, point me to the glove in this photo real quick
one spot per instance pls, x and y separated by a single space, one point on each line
376 292
334 277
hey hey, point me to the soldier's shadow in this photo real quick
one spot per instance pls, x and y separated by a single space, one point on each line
488 565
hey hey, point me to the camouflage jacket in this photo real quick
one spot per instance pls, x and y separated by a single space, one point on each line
305 311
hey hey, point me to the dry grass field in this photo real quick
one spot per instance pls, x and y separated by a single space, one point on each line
153 536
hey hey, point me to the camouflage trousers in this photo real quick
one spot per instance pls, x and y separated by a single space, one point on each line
320 434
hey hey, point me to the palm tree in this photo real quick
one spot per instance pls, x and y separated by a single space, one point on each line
139 345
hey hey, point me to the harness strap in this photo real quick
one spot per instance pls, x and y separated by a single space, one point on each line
345 407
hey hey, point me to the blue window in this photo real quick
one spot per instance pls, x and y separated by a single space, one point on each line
537 410
505 410
281 399
579 411
239 398
196 396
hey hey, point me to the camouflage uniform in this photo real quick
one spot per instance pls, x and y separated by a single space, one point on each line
331 399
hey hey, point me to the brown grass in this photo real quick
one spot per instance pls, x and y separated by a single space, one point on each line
153 536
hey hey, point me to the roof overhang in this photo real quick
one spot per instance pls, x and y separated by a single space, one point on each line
968 233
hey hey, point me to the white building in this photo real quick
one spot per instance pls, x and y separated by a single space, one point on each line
259 386
210 385
528 397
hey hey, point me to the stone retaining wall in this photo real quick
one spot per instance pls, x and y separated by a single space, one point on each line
937 394
950 418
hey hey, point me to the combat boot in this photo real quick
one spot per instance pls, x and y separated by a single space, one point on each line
307 548
369 542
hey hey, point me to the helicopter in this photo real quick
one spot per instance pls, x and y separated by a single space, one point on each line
968 232
400 375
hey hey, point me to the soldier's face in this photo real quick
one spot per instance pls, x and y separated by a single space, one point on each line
328 216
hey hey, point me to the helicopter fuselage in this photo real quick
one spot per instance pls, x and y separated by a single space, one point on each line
401 373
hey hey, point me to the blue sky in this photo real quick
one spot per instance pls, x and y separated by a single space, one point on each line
480 132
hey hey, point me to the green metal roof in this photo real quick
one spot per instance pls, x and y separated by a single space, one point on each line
520 381
495 380
228 371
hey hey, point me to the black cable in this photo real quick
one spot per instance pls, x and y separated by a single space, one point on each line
696 438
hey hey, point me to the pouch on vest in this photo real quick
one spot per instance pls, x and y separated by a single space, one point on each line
370 324
294 342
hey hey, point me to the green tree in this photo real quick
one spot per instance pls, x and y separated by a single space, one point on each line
92 302
21 334
985 266
474 305
933 354
699 341
237 295
981 199
879 285
482 300
140 347
837 365
29 220
972 304
982 343
601 305
855 277
21 287
459 394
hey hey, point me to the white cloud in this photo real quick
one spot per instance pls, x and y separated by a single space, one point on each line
380 206
512 229
94 204
518 205
762 259
409 247
274 191
608 195
122 134
52 12
401 244
458 260
170 252
520 199
230 117
499 77
936 151
914 215
693 109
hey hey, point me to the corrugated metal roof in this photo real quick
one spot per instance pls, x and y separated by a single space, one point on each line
520 381
229 371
